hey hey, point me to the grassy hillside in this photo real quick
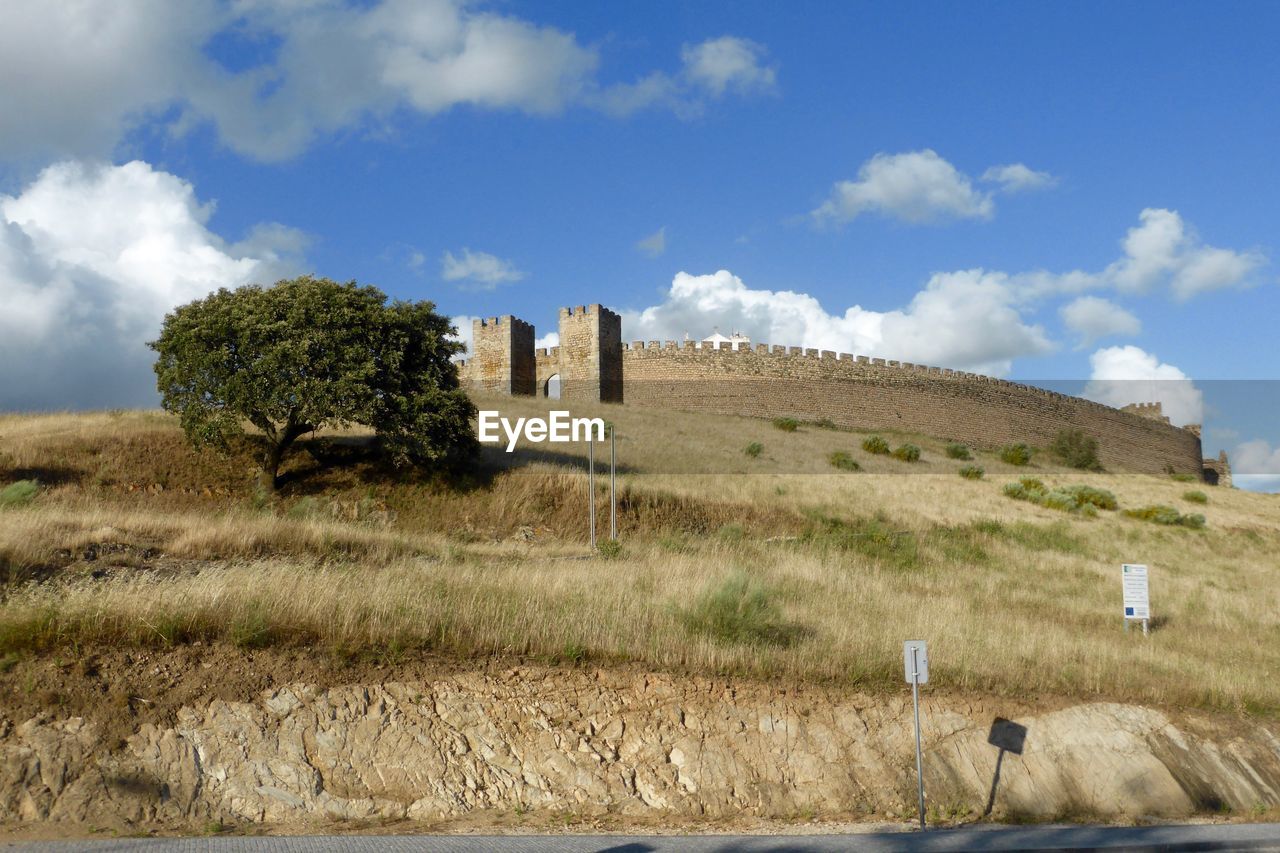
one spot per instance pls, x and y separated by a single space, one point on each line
775 564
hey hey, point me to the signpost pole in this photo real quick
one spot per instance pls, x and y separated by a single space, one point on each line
613 487
915 701
591 488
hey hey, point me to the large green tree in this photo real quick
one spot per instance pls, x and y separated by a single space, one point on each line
311 353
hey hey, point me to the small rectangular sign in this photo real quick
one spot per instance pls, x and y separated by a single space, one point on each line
1137 596
915 661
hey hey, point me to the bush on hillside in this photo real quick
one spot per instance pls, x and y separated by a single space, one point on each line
972 472
844 461
1085 500
753 449
907 453
825 423
1180 476
1015 454
1167 515
738 610
955 450
875 444
786 424
19 493
1076 449
1195 497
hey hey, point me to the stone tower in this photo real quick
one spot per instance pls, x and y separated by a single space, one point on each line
502 356
590 354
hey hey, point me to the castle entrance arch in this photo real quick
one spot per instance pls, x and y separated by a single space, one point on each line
551 388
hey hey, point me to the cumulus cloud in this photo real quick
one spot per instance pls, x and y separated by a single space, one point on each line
728 63
1255 465
91 258
1093 318
480 270
1129 374
1018 177
964 320
655 244
710 70
1162 248
83 75
915 187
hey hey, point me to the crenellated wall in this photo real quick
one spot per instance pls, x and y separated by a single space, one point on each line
856 392
871 393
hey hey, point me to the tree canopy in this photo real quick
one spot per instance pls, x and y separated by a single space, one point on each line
311 353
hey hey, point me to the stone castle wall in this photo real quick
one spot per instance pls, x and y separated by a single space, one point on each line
854 392
864 393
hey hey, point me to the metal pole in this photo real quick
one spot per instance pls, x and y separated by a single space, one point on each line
613 487
591 488
915 700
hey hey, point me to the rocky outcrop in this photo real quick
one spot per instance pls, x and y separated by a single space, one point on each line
625 744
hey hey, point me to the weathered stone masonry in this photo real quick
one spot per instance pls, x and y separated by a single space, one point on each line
858 392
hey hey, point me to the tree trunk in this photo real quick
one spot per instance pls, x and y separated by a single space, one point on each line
278 445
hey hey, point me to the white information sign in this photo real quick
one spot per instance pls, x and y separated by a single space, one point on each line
915 661
1137 597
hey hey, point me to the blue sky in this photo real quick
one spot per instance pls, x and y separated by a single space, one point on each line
1082 191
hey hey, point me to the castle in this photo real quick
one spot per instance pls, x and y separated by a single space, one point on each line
593 364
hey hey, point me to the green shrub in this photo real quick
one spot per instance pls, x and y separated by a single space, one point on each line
955 450
972 472
1167 515
786 424
1016 454
874 538
1076 449
609 549
1085 500
875 444
1195 497
844 461
1090 496
306 508
753 449
1179 477
738 610
20 493
907 453
825 423
731 532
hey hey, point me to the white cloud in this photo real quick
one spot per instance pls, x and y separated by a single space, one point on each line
550 339
464 332
727 63
91 258
1255 465
1018 177
481 269
83 75
915 187
655 244
963 319
1093 318
1162 248
710 70
1128 374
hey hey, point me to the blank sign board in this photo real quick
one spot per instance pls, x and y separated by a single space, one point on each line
915 661
1137 597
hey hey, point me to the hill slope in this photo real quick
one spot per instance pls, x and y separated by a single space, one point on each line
777 565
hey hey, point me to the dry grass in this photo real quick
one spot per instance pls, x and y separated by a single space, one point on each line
1013 597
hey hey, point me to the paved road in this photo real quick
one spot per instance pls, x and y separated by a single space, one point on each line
1252 837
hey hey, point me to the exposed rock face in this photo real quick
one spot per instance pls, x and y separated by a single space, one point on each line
590 743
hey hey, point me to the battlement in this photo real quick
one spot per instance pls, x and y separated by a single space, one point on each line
506 320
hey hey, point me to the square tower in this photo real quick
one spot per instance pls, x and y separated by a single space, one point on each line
590 354
502 359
